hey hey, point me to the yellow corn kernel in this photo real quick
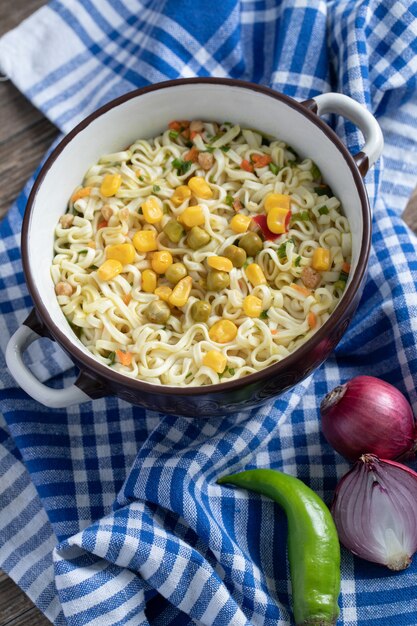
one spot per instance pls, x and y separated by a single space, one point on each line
161 261
252 306
276 220
181 292
123 252
152 211
255 275
280 200
145 240
215 360
163 292
110 269
200 187
321 259
149 281
220 263
223 331
110 184
192 216
240 223
181 194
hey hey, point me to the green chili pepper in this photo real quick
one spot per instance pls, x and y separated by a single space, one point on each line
313 544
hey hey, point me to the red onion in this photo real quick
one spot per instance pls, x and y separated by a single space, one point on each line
375 511
368 415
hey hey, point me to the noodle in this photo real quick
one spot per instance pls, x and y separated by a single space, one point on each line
145 335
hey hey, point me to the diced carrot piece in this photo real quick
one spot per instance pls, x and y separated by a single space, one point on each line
186 133
311 319
346 268
194 134
192 155
260 160
81 193
174 125
300 289
245 165
102 224
125 358
274 331
127 298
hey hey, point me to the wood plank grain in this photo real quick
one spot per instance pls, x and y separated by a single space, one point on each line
12 12
32 617
25 134
12 603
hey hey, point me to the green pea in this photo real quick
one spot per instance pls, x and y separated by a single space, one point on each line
175 273
313 544
197 238
200 311
173 230
216 281
157 312
251 243
236 255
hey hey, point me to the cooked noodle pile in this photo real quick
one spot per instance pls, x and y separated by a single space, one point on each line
199 256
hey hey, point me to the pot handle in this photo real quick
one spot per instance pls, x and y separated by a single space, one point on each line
31 331
360 116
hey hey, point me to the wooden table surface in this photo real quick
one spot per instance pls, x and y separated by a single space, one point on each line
25 134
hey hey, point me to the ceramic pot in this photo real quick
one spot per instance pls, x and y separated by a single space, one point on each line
144 113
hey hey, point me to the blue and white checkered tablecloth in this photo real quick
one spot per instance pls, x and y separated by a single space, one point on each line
110 515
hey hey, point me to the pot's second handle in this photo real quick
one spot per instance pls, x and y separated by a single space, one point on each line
361 117
52 398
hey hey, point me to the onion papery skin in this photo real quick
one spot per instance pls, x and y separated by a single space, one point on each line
368 415
375 511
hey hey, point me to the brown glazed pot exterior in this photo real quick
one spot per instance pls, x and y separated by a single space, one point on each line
98 380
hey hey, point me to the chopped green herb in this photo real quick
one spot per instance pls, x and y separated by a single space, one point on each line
227 124
182 167
209 149
229 200
274 168
156 188
297 261
212 179
94 267
282 250
82 251
323 190
232 371
343 276
340 284
141 178
216 137
173 134
264 315
189 374
189 144
245 265
140 211
112 357
323 210
315 172
225 148
302 216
